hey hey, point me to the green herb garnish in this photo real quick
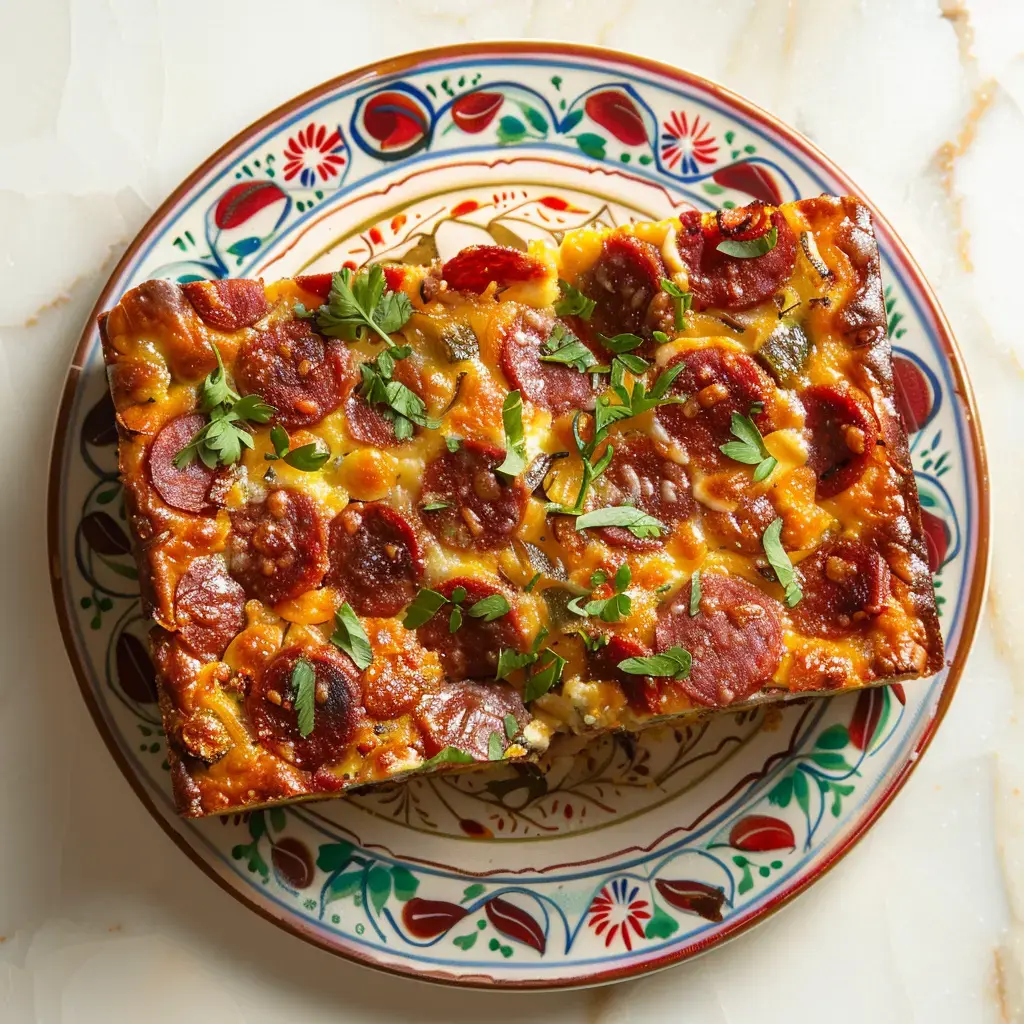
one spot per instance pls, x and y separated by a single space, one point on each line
749 449
562 346
397 403
490 608
640 524
541 681
362 303
221 441
511 726
681 302
608 609
307 457
495 746
695 592
573 302
449 755
674 663
436 506
751 248
303 683
424 607
350 636
779 561
515 436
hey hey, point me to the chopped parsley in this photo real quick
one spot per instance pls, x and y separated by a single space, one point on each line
750 248
573 302
779 561
350 636
221 440
749 448
673 663
307 457
515 436
303 681
361 304
681 302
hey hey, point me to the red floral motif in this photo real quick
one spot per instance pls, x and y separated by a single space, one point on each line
614 111
314 152
687 143
616 911
476 110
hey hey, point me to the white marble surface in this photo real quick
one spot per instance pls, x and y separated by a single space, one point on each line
104 107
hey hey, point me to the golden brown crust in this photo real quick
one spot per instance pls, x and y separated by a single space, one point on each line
849 506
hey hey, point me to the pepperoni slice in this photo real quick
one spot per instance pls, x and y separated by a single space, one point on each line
209 607
640 475
625 282
719 382
227 305
641 691
552 386
271 708
735 639
844 584
375 559
742 527
295 371
843 433
472 650
278 546
465 714
318 284
734 282
484 510
366 423
186 489
476 266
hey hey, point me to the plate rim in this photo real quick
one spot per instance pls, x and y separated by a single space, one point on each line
607 55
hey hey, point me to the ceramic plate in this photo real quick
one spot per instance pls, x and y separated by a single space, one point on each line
642 851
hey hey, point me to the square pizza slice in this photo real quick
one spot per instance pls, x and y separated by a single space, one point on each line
414 518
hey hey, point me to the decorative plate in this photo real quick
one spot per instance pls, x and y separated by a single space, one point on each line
641 851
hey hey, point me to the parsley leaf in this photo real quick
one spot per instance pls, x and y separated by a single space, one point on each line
511 660
751 248
511 726
435 506
350 636
573 302
303 682
399 404
608 609
221 440
695 592
675 663
424 607
533 582
452 443
592 468
621 342
515 436
540 682
455 619
361 303
779 561
495 746
214 390
562 346
640 524
490 608
449 755
681 302
633 363
749 449
307 457
592 643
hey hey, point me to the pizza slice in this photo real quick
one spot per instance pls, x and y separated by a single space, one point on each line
410 519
